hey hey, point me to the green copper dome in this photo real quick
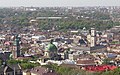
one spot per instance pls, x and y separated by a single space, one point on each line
51 47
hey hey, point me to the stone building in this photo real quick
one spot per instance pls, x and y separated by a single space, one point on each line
51 51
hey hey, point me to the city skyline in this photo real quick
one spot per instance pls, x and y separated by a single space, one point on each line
58 3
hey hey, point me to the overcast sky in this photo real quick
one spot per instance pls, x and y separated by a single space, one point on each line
44 3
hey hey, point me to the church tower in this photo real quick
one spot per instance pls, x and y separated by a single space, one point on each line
93 37
16 45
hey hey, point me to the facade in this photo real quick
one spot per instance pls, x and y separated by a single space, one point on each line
93 37
87 60
89 45
51 50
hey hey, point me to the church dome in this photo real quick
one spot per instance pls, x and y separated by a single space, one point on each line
51 47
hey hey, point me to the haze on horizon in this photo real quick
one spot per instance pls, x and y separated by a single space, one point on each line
58 3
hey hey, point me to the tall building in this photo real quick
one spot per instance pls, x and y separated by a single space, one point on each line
93 37
16 47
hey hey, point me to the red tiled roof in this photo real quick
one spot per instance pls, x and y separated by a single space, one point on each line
39 70
85 62
51 73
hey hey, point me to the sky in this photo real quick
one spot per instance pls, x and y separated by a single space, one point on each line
58 3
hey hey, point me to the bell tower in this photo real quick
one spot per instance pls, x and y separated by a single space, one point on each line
93 37
16 52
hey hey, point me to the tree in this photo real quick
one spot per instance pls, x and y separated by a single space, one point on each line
1 62
29 65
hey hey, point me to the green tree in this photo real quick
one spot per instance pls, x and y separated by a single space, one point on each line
1 62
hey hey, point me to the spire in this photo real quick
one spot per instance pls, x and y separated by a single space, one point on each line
51 41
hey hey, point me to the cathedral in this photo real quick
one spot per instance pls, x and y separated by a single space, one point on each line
51 51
